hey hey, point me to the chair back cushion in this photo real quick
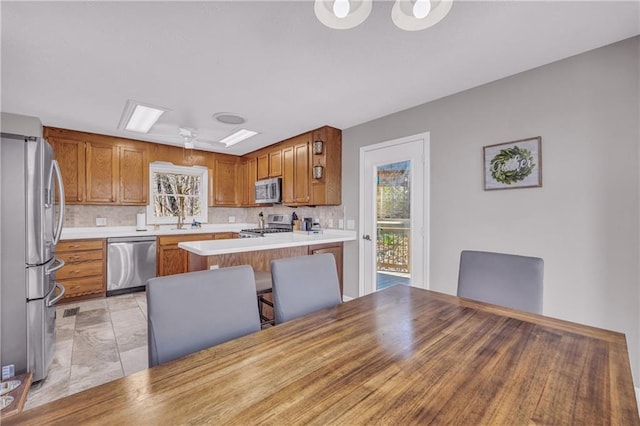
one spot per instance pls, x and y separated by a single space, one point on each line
304 284
190 312
502 279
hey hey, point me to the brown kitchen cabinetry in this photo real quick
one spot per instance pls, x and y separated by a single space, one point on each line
173 260
275 163
225 185
270 164
327 189
99 169
84 273
336 249
295 171
134 175
70 156
263 166
101 165
248 182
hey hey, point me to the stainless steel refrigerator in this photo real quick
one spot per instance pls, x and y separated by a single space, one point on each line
31 227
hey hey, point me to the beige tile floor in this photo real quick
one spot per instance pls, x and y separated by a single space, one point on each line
105 340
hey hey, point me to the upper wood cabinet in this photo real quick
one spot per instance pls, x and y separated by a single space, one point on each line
263 166
99 169
225 182
134 175
275 163
270 164
70 156
248 177
102 173
295 171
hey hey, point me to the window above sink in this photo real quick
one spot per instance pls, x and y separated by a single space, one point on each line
176 190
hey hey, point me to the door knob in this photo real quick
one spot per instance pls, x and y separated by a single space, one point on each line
366 237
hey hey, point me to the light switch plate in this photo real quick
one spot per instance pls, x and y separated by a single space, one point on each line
232 219
330 224
351 224
340 223
101 221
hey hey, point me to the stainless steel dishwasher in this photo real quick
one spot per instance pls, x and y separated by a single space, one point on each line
131 261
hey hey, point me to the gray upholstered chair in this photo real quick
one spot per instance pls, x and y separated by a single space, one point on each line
502 279
190 312
304 284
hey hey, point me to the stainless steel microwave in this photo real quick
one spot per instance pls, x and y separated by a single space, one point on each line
268 191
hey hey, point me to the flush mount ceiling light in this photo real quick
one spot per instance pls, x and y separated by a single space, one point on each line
409 15
415 15
139 117
238 136
342 14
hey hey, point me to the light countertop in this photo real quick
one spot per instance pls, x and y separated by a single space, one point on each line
271 241
130 231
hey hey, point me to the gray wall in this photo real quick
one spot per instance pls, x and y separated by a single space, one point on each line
584 221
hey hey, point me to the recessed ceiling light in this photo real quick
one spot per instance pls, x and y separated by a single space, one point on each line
238 136
139 117
229 118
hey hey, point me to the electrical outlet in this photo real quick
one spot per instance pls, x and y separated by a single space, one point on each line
340 223
101 221
214 267
351 224
330 223
232 219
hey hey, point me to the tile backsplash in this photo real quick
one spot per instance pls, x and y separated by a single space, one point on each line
84 216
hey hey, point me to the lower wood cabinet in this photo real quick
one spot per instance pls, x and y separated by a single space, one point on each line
172 259
84 272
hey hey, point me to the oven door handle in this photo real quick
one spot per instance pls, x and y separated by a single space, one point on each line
55 300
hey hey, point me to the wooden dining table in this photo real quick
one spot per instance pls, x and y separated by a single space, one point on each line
398 356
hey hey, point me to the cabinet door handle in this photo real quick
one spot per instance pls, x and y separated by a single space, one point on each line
366 237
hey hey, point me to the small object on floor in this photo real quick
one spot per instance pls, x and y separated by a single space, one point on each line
13 402
70 312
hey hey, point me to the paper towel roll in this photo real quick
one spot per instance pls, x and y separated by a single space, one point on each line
141 222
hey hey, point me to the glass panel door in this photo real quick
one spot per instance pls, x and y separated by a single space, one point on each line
393 224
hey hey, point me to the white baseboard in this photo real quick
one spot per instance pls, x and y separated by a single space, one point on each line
347 298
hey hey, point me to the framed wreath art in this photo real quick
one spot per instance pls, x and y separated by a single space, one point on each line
516 164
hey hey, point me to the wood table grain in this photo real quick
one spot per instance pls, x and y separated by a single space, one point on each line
400 356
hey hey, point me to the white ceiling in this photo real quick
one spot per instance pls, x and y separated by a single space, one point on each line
75 64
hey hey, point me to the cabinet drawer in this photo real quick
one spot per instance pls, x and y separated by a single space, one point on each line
81 256
73 245
224 235
84 269
83 286
175 239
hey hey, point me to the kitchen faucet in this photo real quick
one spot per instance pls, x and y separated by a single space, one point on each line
180 224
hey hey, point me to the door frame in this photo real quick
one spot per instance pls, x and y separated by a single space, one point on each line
426 228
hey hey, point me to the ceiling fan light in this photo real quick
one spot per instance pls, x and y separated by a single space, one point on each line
421 8
404 17
139 117
328 12
238 136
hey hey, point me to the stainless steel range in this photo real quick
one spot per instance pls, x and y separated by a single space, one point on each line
276 223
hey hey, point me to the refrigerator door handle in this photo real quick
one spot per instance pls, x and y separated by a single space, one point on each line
58 231
57 267
55 300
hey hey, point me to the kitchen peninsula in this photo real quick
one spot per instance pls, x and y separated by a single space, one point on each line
259 252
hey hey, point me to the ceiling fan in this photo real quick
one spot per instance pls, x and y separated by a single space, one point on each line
188 137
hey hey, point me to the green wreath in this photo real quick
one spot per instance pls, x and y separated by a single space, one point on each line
512 165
